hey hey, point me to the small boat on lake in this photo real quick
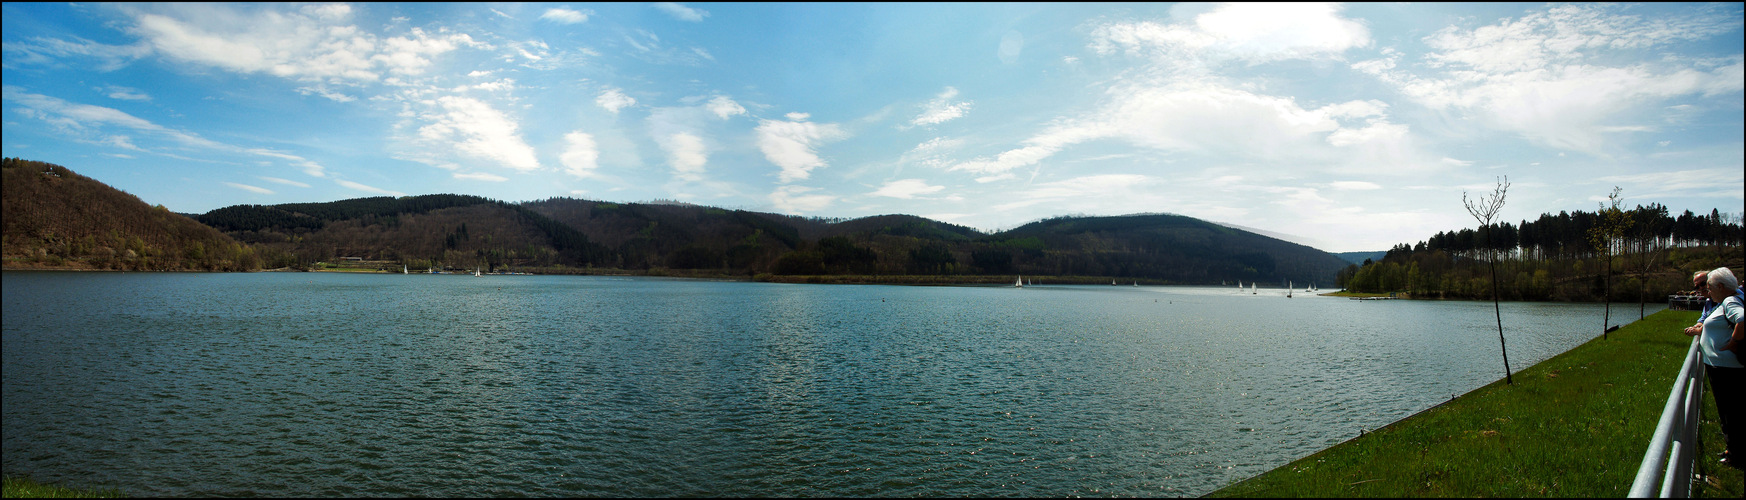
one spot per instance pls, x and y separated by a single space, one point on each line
1020 283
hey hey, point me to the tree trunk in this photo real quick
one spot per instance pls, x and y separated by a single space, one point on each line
1606 296
1498 311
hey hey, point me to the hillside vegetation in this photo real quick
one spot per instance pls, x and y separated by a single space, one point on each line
1567 256
55 218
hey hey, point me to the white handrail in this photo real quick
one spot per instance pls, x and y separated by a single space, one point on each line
1667 462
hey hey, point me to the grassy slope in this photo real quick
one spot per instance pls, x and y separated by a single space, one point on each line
1575 425
24 487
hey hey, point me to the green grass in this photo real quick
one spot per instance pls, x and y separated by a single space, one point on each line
1576 425
24 487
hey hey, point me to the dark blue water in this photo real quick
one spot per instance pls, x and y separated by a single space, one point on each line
319 384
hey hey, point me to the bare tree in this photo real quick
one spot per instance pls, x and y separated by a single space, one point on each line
1610 225
1485 210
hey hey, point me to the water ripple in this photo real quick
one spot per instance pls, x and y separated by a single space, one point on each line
383 385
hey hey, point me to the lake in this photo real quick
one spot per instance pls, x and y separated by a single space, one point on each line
329 384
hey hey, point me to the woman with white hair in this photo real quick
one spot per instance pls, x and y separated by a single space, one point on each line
1724 332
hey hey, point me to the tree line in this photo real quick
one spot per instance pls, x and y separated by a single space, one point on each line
1567 256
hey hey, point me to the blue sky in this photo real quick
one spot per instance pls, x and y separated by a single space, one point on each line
1351 127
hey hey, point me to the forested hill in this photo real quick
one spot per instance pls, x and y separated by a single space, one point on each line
55 218
583 236
1170 247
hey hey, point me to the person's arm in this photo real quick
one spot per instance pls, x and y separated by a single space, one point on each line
1738 336
1736 314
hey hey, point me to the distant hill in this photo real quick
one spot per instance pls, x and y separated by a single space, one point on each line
572 235
1359 257
55 218
419 231
1162 246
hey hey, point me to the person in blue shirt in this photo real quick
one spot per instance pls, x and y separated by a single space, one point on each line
1722 334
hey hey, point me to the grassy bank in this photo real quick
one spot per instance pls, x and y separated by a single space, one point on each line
24 487
1575 425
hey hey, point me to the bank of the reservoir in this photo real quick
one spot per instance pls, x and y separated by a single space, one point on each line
25 487
1575 425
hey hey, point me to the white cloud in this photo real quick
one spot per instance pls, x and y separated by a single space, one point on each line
40 51
1209 120
613 99
932 153
682 12
324 92
1354 185
283 44
941 109
724 107
567 16
1717 182
1253 32
480 177
906 189
287 182
472 127
581 155
1555 77
84 120
686 154
310 43
366 188
410 56
252 189
794 200
126 93
790 145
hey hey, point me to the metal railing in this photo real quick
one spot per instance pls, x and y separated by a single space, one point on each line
1669 458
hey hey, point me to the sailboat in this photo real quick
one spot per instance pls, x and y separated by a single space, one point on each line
1112 282
1020 283
403 269
1136 282
476 273
1252 290
1288 286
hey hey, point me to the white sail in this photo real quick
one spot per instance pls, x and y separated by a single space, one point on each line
1020 283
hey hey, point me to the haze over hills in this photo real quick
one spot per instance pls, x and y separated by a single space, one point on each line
572 235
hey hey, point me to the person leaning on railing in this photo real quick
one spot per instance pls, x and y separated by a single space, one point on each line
1723 327
1701 289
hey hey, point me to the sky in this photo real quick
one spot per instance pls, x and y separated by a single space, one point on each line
1346 127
